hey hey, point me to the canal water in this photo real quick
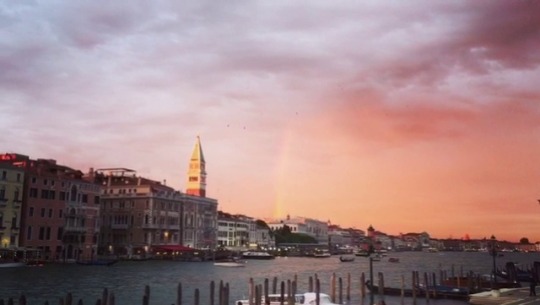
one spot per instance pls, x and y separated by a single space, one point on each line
127 280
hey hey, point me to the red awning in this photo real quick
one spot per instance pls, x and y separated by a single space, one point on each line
174 248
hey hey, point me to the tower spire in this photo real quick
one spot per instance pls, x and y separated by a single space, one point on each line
196 184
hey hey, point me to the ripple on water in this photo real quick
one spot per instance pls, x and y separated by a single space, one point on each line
128 279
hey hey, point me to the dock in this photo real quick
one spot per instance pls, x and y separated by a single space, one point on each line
505 296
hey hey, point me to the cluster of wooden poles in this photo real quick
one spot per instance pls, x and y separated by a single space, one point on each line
339 291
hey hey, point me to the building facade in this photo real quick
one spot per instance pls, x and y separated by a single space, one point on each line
11 192
240 232
136 213
312 227
59 210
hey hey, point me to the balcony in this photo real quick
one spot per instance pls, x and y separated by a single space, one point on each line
74 229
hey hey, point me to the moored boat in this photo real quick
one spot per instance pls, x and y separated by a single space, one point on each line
437 292
299 299
257 255
393 260
346 258
361 253
231 262
322 254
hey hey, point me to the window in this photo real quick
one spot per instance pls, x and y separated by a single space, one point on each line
31 211
1 220
60 233
50 213
48 237
44 194
29 233
45 181
62 196
96 199
4 175
16 195
42 212
85 198
33 180
73 195
52 195
60 213
33 192
2 193
41 233
14 222
18 177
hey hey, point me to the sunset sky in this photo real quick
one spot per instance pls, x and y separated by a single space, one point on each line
409 116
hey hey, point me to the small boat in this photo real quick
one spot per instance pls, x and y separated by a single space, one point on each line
97 262
437 292
322 254
346 259
257 255
307 298
393 260
361 253
232 262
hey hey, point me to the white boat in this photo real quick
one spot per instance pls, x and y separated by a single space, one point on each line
230 263
308 298
322 253
257 255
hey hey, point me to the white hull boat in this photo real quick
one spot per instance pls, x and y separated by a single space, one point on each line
308 298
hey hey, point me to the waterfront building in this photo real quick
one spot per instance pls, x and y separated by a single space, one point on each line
11 192
59 209
136 212
339 237
260 236
416 241
233 231
139 213
200 222
240 232
312 227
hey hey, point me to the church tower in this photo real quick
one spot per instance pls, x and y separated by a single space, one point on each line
196 184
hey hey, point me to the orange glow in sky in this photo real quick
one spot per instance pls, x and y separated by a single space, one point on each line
411 117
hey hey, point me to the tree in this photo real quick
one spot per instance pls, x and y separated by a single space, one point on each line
524 240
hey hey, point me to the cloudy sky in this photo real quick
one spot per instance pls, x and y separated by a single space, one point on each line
407 115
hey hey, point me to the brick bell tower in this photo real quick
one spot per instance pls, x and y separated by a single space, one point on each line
196 184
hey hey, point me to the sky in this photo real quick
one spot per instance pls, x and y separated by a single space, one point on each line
410 116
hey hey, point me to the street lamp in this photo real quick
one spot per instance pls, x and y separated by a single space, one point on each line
493 253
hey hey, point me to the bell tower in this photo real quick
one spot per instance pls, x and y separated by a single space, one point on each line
196 184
